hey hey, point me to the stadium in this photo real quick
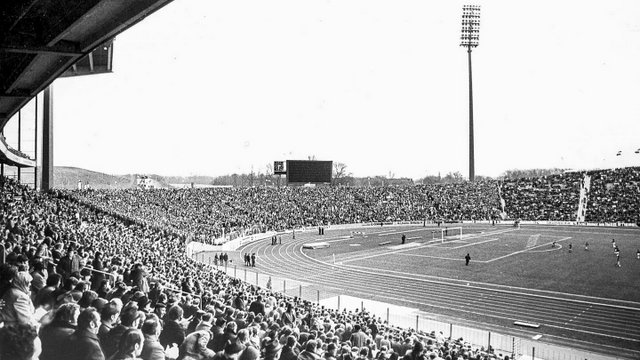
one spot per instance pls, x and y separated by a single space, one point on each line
306 260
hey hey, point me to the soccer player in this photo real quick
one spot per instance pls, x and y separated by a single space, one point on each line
613 243
618 260
586 245
616 251
404 238
570 247
467 259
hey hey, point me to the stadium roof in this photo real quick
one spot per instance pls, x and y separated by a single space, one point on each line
41 39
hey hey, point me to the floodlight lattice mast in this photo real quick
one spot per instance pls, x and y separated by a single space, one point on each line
469 37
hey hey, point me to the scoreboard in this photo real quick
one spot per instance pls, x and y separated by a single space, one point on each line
309 171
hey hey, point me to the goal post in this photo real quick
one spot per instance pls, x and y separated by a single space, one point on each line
447 233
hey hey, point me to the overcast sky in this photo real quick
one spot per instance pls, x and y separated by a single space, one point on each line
216 87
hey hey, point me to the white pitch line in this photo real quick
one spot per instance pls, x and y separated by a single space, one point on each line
415 237
475 243
383 253
431 257
399 232
507 289
525 250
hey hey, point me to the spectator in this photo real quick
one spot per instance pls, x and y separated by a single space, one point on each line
173 331
83 344
129 319
257 307
129 346
358 338
152 349
108 317
18 308
54 335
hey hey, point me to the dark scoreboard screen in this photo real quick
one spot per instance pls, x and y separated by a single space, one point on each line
309 171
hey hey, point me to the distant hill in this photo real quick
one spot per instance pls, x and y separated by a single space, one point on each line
67 178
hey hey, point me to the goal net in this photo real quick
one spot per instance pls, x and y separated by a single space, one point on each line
447 233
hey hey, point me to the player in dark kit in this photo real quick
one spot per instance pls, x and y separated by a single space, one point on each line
467 259
404 238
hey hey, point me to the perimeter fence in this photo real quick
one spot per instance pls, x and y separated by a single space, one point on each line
516 347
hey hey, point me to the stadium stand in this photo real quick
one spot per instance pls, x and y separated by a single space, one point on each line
209 213
72 268
147 273
545 198
614 196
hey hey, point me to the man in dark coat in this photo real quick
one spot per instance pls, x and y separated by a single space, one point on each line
69 264
173 331
257 307
83 344
217 330
54 335
97 276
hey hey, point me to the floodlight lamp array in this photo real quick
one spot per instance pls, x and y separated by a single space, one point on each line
470 32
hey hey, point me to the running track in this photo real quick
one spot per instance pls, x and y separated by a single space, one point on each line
565 318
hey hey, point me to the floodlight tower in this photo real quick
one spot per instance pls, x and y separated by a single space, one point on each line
469 37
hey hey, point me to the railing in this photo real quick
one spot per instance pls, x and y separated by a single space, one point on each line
515 346
193 295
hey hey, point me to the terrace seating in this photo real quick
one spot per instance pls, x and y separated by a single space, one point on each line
48 229
53 243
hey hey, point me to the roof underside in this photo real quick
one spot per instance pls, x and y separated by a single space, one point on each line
41 39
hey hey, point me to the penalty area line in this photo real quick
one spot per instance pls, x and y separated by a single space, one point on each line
525 250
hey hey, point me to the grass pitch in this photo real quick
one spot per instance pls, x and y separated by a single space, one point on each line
502 255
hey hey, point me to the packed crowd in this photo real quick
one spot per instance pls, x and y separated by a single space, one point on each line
614 196
210 213
553 197
79 283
